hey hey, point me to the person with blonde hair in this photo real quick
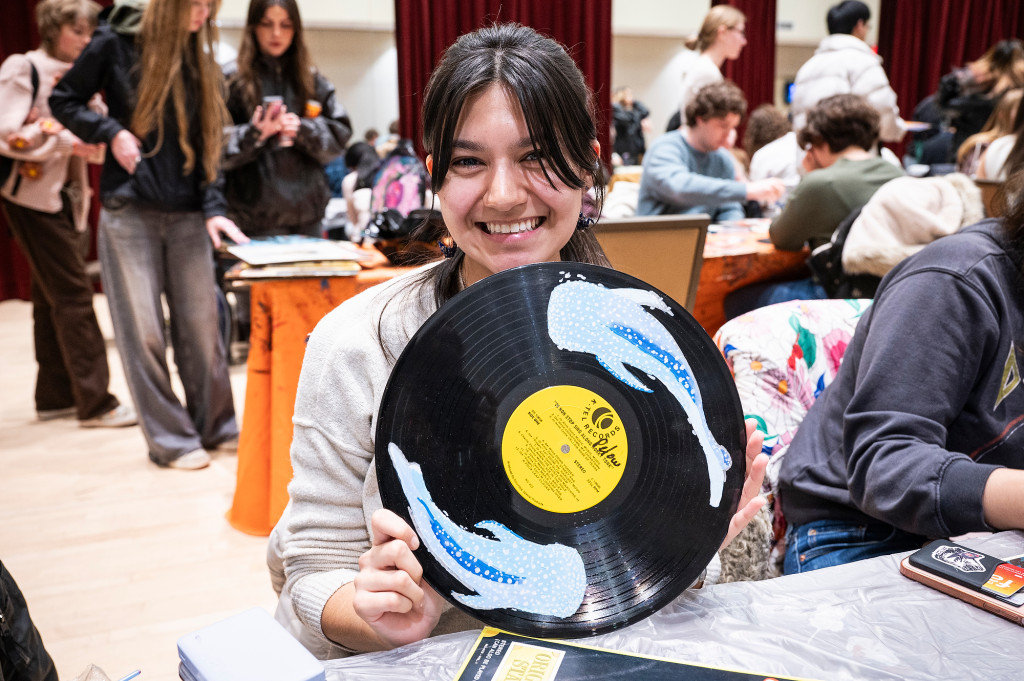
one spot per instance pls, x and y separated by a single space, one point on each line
722 36
999 124
46 202
162 208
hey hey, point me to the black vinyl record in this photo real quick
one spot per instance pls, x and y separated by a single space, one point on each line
568 443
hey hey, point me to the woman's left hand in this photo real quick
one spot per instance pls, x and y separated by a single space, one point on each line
218 225
289 128
751 500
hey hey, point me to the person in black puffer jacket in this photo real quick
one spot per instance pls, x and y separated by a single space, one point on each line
287 126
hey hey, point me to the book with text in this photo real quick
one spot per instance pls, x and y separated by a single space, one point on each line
501 656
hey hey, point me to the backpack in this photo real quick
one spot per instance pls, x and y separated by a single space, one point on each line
400 183
826 264
6 162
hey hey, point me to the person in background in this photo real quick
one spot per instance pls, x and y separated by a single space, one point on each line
688 171
370 136
722 37
500 158
362 162
845 64
967 96
288 125
766 124
841 172
162 210
999 124
631 122
774 151
46 202
1006 154
388 144
919 434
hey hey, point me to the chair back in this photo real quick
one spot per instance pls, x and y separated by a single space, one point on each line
665 251
782 357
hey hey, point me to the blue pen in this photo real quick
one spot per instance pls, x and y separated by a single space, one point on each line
131 676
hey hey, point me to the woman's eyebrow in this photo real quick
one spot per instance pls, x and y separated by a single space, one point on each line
468 145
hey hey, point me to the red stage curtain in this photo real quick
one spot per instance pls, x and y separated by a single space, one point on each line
18 33
424 29
754 71
921 40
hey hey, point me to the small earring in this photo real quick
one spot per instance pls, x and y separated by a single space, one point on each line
584 222
446 250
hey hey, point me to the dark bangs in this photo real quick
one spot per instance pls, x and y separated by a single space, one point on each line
550 90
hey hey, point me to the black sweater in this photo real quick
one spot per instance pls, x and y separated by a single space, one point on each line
109 64
273 189
929 398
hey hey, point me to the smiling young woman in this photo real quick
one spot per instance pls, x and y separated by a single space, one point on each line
509 129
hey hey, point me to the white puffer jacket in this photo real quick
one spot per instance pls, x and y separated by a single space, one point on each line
843 64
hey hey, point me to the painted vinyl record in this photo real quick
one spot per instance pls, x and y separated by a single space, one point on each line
567 443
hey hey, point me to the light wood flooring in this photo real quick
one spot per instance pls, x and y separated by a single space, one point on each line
117 557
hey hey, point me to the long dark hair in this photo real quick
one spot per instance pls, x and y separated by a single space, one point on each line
295 62
557 106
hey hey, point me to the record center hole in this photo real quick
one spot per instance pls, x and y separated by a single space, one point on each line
565 449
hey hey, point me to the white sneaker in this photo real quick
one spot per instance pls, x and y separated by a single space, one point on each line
229 446
192 461
120 416
54 414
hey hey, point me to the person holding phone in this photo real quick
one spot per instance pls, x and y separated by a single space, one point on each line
162 210
288 125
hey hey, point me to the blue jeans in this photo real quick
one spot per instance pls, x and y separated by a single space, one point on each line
755 296
145 253
825 543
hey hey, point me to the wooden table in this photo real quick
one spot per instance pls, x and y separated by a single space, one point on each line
734 258
284 312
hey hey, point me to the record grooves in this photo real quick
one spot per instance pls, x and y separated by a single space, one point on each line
567 443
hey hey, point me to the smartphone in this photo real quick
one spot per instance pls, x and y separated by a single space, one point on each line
272 105
977 578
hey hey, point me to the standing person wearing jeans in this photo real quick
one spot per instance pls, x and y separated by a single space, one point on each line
46 202
162 207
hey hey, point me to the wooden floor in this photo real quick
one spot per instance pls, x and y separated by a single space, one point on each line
117 558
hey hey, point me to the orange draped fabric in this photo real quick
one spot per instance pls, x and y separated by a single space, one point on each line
283 314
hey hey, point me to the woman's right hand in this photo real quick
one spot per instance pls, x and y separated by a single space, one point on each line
390 594
127 150
268 122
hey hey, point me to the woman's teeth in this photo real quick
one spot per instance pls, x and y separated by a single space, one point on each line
512 227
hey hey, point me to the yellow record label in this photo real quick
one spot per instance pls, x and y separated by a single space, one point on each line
564 449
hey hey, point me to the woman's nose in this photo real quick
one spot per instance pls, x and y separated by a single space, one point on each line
505 190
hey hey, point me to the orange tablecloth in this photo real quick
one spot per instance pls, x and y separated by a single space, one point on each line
734 259
283 313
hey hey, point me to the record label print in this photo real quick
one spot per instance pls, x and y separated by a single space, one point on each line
567 443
